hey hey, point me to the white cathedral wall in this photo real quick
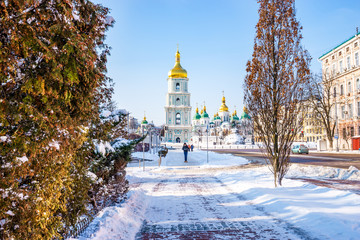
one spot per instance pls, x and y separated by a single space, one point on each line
178 107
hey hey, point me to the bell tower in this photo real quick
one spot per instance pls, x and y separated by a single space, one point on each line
177 107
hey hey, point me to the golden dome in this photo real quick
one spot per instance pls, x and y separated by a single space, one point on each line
245 110
177 71
223 107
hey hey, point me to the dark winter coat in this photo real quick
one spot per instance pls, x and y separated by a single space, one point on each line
185 148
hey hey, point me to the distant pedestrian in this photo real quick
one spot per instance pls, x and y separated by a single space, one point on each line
192 147
185 148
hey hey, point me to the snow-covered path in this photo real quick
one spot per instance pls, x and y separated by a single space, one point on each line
226 199
200 207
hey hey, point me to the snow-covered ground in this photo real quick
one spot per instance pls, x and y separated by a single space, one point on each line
227 200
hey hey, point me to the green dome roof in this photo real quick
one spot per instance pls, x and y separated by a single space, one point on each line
205 115
144 121
197 116
236 118
244 115
216 117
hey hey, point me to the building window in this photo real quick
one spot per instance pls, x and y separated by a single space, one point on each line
333 57
334 69
334 92
352 131
348 62
357 84
358 130
347 49
350 110
327 60
177 101
341 66
357 59
340 53
341 90
355 44
343 112
177 88
344 133
358 107
349 87
178 119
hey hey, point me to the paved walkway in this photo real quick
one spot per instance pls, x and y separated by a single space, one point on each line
205 208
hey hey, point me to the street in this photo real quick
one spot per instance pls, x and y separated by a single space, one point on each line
337 160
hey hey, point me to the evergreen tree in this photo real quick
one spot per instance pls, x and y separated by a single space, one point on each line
111 155
275 80
52 74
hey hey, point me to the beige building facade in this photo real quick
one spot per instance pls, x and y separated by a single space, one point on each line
313 129
342 65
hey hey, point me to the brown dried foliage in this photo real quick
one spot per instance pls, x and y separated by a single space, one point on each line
275 80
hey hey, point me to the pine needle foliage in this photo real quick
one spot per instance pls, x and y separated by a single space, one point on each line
109 164
275 80
52 76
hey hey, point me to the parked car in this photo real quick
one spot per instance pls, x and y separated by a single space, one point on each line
300 149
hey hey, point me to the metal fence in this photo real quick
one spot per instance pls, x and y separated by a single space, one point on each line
84 223
229 147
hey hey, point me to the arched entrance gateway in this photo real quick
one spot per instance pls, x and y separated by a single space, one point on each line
178 140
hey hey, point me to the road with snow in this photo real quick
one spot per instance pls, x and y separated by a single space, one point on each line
329 159
228 199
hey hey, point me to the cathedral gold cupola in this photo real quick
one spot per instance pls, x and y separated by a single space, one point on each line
223 107
177 71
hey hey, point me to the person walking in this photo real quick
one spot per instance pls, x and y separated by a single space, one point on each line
185 148
192 147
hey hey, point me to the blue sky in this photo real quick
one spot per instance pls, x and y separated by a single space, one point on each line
216 40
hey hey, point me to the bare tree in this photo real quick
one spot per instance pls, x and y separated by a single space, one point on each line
275 80
322 103
198 131
347 133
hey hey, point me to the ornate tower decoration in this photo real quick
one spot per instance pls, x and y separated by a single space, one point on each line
224 111
177 108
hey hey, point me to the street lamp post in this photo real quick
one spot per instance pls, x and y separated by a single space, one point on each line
338 134
207 143
150 143
337 125
143 147
148 131
199 139
346 128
